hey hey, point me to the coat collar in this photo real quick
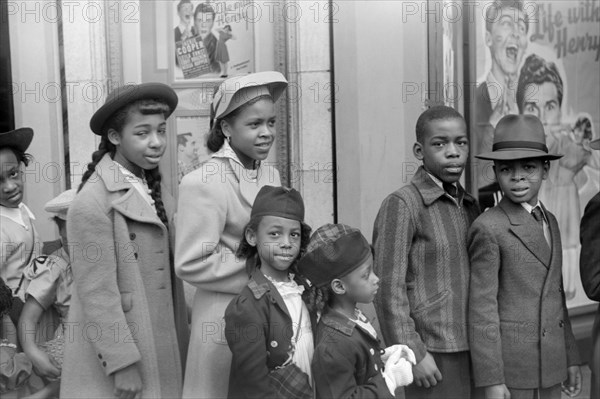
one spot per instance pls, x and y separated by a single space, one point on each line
131 204
250 180
260 286
339 322
525 227
431 192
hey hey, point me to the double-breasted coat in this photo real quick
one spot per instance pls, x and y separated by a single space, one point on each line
347 360
521 335
122 308
214 206
259 331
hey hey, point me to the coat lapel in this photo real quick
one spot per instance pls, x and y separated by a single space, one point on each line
554 236
260 285
131 204
526 229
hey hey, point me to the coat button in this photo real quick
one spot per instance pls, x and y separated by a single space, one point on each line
99 356
274 344
135 255
132 236
544 333
376 368
560 289
103 364
561 323
372 351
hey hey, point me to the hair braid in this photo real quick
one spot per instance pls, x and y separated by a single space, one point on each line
104 147
154 178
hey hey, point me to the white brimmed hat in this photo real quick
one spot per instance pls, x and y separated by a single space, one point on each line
237 91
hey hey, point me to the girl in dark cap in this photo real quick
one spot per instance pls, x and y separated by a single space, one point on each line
271 303
348 360
123 341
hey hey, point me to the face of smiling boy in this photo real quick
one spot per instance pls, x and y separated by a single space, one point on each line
507 41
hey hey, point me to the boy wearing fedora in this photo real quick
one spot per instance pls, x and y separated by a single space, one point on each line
522 345
589 265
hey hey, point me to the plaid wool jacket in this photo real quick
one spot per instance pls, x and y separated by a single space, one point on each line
420 244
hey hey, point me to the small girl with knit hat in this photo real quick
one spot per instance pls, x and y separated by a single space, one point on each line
348 359
269 312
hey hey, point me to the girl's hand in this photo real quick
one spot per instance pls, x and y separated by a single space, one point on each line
128 382
45 366
572 386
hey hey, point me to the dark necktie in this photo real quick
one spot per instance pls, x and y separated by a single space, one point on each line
538 215
451 190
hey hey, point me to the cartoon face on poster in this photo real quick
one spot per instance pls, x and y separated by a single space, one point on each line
212 39
543 58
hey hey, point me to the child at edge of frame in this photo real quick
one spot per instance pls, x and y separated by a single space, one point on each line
19 239
420 244
348 360
589 265
516 287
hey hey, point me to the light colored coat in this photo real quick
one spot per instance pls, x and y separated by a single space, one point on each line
521 335
121 307
214 207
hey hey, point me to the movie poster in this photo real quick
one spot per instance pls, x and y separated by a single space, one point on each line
543 58
212 39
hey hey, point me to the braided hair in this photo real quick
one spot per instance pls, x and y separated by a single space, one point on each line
6 297
116 121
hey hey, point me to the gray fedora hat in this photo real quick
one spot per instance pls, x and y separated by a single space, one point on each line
519 137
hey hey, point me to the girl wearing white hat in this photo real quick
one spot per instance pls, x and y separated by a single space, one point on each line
214 206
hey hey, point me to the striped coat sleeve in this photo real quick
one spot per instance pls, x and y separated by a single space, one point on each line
392 238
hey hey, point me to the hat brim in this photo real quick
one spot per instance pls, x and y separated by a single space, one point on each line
129 95
223 103
507 155
19 139
595 145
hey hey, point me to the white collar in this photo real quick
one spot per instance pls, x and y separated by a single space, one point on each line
439 182
529 208
140 184
227 152
15 214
